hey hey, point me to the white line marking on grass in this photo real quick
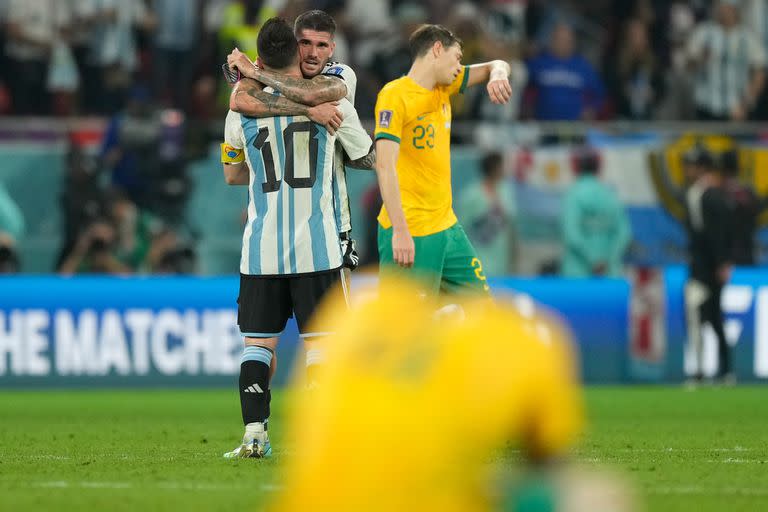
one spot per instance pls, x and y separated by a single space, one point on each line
736 449
185 486
730 460
693 489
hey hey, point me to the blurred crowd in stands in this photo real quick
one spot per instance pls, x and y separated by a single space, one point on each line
151 68
602 59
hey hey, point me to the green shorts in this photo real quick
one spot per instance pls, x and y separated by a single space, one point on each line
445 262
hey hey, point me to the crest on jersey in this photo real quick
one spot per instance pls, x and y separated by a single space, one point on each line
385 118
335 70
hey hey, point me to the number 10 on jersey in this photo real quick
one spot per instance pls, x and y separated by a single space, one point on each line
262 144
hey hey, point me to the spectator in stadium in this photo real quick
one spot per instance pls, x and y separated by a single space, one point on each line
32 28
708 221
746 206
563 85
595 227
487 210
726 48
175 49
755 13
634 76
114 48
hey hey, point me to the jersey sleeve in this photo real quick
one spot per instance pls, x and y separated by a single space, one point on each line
347 74
460 83
390 115
232 151
353 137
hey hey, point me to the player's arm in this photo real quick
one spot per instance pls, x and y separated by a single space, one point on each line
236 174
359 151
234 165
496 74
312 92
403 249
366 163
249 98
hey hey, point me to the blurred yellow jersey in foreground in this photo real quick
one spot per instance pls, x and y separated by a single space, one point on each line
413 404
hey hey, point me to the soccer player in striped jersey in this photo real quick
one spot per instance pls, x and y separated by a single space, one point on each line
291 253
323 82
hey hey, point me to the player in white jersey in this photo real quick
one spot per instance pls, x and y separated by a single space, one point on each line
291 249
323 81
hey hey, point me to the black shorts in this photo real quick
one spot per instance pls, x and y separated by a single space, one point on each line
266 303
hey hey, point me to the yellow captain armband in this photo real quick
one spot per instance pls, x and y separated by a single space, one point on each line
231 155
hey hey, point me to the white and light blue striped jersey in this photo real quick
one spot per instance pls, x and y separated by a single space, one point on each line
728 58
340 194
292 227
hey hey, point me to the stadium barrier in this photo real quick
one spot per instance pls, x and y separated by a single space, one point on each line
93 331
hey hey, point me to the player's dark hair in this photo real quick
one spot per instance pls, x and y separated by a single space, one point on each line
317 20
490 164
276 44
424 37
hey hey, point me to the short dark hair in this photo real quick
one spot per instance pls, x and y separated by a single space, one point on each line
276 44
490 163
317 20
425 36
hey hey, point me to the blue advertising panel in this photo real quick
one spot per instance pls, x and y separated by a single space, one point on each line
155 331
745 308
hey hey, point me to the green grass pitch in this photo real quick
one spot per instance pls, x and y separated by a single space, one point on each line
161 450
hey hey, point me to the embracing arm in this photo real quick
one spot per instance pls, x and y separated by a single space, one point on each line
367 163
248 98
314 91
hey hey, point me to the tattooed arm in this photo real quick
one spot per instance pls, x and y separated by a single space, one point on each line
368 162
249 99
312 92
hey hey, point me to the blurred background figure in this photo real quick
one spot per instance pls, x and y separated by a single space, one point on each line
81 196
725 47
746 207
635 77
563 85
176 50
12 227
487 211
595 227
708 223
33 28
114 48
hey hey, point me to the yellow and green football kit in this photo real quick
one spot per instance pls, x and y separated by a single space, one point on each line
419 120
413 405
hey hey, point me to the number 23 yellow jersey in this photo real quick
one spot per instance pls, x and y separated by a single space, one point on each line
419 120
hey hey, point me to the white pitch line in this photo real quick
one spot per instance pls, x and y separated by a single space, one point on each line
186 486
736 449
693 489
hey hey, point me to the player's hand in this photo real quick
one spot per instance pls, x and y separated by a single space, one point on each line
327 114
403 248
237 60
499 90
349 251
